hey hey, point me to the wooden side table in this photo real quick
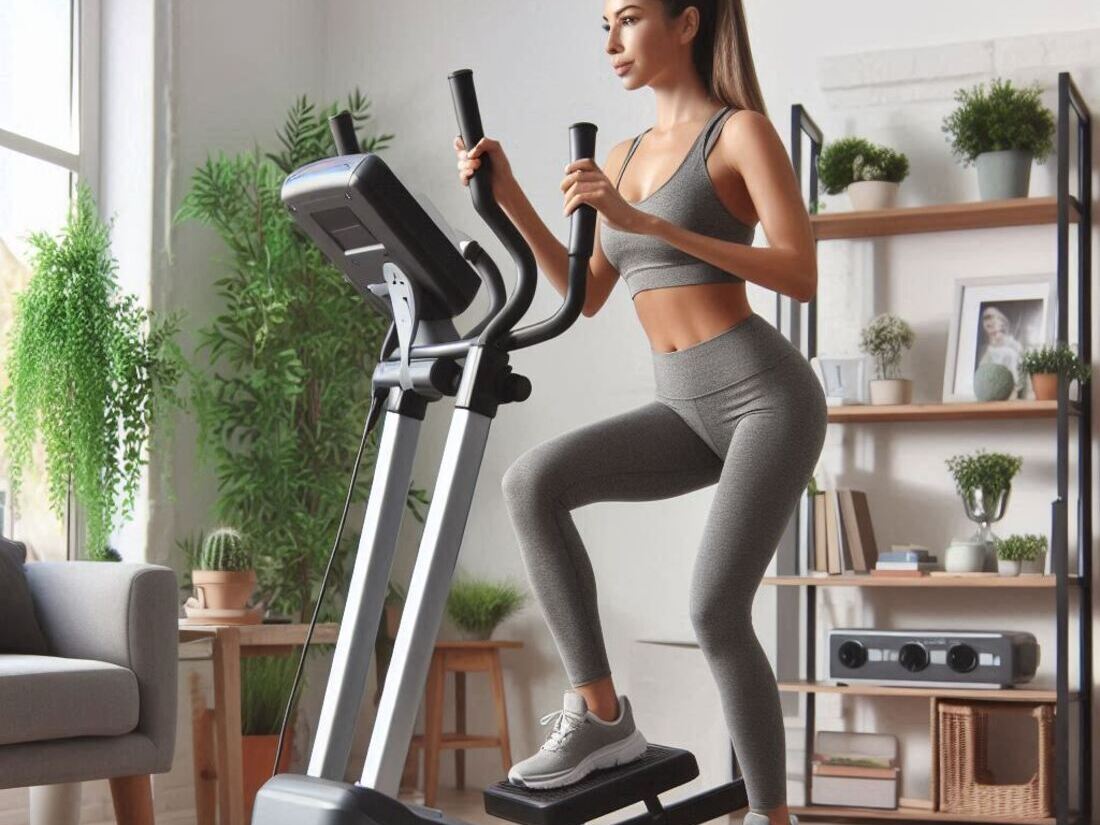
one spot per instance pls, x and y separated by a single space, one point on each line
460 658
230 644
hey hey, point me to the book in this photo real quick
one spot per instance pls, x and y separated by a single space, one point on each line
905 555
930 564
821 562
859 534
879 572
827 769
840 766
832 542
854 792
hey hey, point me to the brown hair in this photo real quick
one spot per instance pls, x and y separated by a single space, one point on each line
721 51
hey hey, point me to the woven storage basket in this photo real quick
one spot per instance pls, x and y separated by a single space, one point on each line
966 783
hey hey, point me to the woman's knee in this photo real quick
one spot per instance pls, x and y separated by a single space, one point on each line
718 616
530 477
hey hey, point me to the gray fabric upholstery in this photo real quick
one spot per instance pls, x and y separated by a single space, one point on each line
47 697
120 614
19 629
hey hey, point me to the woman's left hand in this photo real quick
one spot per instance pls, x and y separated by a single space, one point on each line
584 182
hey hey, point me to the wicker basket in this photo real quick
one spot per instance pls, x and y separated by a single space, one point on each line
966 784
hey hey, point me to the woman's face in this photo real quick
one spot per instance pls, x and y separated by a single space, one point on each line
992 324
642 41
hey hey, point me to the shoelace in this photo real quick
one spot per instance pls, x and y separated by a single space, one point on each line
560 732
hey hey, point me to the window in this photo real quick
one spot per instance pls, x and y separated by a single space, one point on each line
47 69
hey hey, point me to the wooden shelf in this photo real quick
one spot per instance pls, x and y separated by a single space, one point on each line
959 411
911 814
943 217
1031 581
860 689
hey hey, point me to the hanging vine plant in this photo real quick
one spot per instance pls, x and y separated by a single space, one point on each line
88 370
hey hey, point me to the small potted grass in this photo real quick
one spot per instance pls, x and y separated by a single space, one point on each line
477 606
1045 363
869 173
1020 553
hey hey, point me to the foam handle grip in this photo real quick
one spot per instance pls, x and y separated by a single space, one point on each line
582 227
469 124
343 133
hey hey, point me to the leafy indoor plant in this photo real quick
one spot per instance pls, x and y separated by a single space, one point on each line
225 578
90 371
1001 131
477 606
869 172
984 481
265 685
883 339
1044 364
282 375
1019 549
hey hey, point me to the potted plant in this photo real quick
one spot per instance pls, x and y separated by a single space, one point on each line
225 580
89 371
1045 363
1016 550
870 173
883 339
984 480
477 606
1001 132
265 686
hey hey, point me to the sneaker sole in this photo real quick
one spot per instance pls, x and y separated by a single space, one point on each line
609 756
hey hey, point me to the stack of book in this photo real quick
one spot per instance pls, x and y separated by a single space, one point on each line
908 560
855 770
844 539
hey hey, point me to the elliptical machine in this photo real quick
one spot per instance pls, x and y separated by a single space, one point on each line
401 256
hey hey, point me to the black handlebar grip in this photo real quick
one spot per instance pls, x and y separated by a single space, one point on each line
469 123
343 133
582 228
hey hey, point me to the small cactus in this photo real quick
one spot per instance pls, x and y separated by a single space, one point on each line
224 549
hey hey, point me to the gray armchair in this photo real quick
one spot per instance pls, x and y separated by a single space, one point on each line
101 704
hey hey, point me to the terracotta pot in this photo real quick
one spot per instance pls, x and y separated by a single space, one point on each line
258 755
223 589
393 619
1045 385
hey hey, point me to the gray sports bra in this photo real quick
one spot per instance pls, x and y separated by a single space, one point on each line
687 199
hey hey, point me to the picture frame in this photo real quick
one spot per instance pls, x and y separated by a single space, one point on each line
996 319
842 378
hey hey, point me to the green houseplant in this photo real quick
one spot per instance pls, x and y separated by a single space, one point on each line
883 339
282 374
1000 131
1017 550
984 481
1045 363
225 578
870 173
477 606
265 685
88 370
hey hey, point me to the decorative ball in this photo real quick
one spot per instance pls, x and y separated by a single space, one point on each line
993 382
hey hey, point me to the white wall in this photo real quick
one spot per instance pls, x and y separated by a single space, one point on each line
858 66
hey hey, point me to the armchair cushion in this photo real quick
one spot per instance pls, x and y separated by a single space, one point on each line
19 628
47 697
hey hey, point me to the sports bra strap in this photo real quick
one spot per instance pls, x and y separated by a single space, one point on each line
626 160
716 130
712 130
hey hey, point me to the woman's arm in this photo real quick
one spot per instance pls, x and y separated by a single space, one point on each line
551 255
749 145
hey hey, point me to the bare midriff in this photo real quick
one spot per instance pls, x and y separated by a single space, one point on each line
677 317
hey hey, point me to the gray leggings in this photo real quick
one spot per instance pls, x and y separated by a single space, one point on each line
742 410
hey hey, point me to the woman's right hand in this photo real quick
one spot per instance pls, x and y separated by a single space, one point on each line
501 180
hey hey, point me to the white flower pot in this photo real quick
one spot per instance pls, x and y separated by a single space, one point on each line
891 391
872 194
1003 174
1033 566
964 557
1008 568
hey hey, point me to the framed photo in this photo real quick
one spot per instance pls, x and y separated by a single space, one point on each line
841 377
994 320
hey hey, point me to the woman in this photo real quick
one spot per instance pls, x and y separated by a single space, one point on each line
1001 346
736 404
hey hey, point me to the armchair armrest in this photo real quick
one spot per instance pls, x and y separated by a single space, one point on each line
125 614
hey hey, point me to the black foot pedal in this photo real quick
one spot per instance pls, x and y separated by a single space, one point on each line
659 769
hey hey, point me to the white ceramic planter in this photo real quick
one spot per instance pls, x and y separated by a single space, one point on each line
872 194
1008 568
1003 174
1034 566
964 557
891 391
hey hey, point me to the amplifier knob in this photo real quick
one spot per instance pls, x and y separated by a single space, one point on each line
852 654
913 656
962 658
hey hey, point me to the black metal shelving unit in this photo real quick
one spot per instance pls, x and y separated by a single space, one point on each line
1068 208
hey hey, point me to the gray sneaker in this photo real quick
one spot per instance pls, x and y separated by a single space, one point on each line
579 743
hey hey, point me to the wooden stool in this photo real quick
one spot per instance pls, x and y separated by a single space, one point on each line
460 658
